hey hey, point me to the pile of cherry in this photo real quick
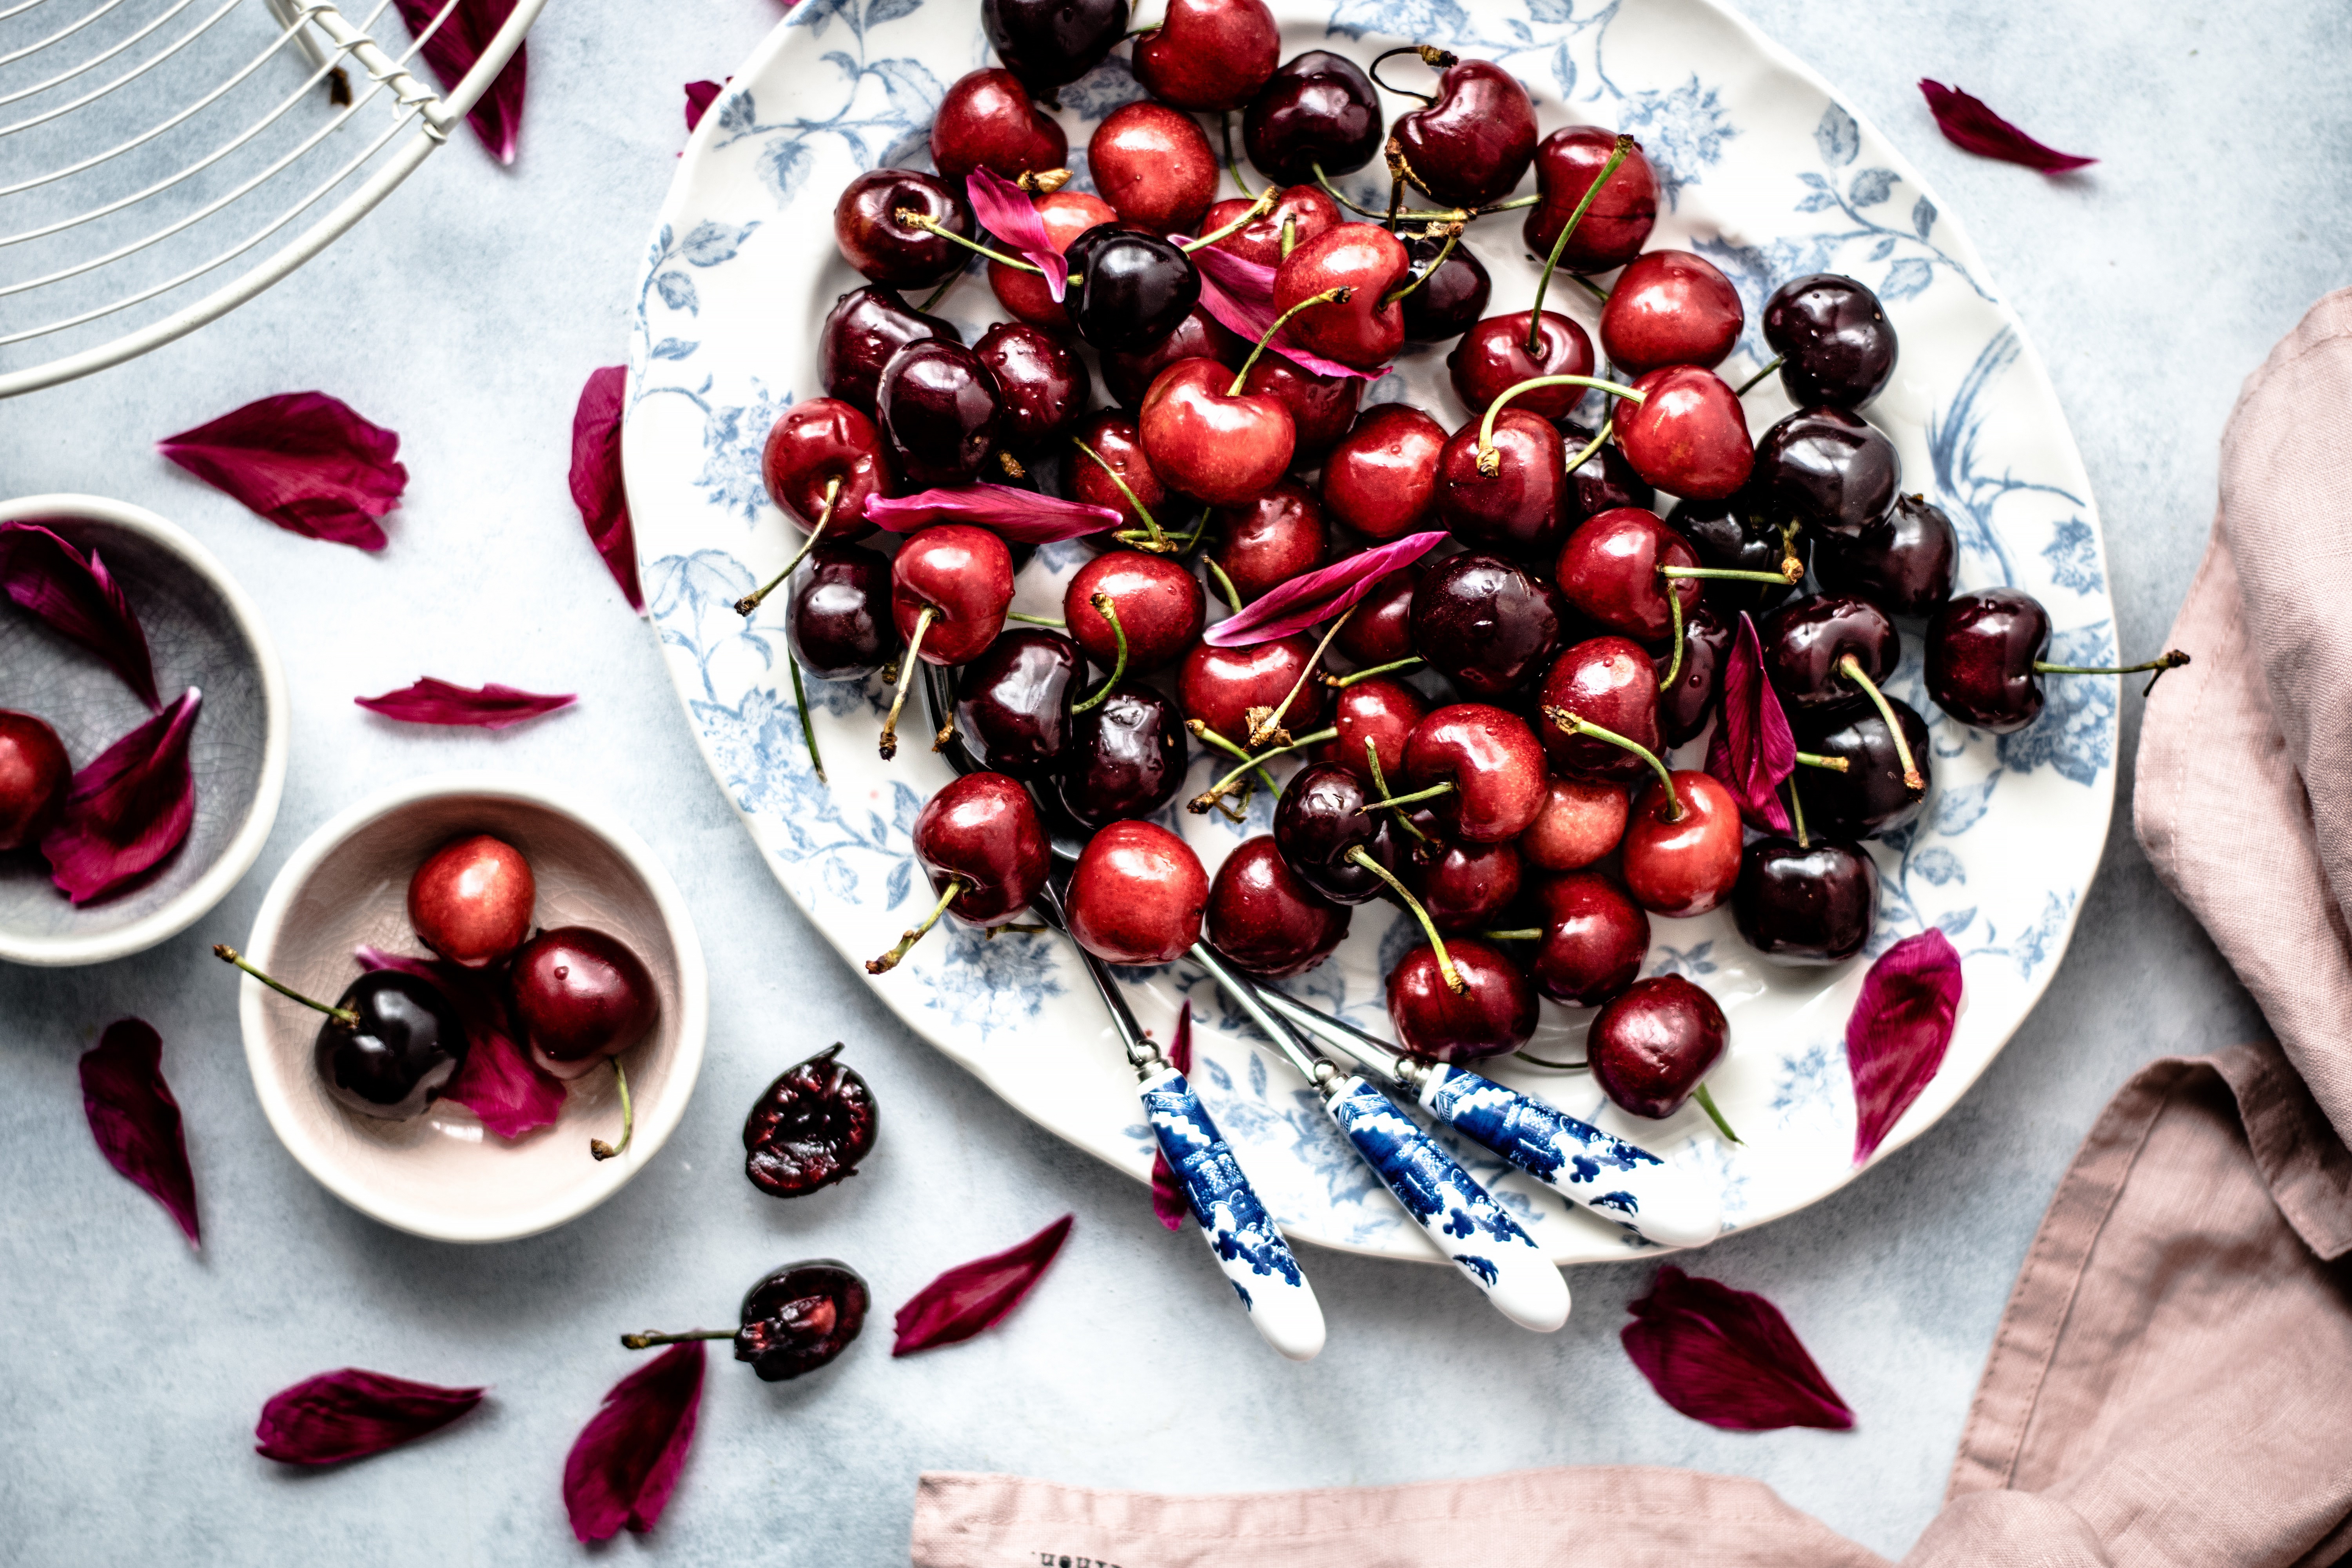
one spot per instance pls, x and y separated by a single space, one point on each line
1484 726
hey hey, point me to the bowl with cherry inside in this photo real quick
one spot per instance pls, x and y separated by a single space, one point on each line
1106 512
474 1006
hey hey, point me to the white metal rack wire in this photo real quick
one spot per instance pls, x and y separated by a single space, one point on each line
149 147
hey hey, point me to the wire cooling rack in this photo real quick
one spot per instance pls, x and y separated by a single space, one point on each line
155 155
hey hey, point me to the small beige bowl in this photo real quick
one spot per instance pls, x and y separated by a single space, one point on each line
444 1174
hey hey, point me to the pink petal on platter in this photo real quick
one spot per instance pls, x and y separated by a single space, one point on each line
1168 1196
461 39
1969 124
625 1462
136 1120
302 460
351 1414
699 97
1897 1032
128 810
1021 517
499 1083
1005 210
1317 596
1240 294
1753 749
1727 1358
78 599
973 1296
596 485
489 707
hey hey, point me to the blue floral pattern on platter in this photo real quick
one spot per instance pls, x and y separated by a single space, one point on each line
1767 175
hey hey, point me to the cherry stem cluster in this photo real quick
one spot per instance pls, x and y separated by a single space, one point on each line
1200 803
1258 209
1270 727
1453 232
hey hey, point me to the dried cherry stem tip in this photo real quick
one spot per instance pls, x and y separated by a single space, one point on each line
344 1016
1913 779
1490 461
907 667
1109 611
750 603
957 887
1570 723
597 1146
1706 1103
1453 976
649 1338
1200 803
1042 182
1338 296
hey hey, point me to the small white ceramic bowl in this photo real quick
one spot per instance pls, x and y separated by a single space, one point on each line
202 631
443 1174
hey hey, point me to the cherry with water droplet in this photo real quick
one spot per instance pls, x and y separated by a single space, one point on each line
1126 757
1835 343
1451 290
942 410
1111 470
1381 631
1302 211
1832 470
1868 796
582 997
1501 487
1219 687
879 242
1466 887
1806 904
1381 479
1985 660
1265 920
389 1044
1689 701
1268 540
1209 54
1042 386
1160 605
1154 166
1134 289
1688 435
1326 835
863 331
1594 939
1492 763
1670 307
1651 1044
1322 407
1494 355
949 587
1484 622
1610 682
1359 266
1739 533
1615 570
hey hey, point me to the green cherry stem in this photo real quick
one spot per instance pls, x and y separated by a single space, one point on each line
1706 1103
1750 386
808 731
1829 764
1608 428
1674 613
1490 462
1556 1066
930 301
648 1339
1232 595
1109 612
1796 812
1453 232
957 887
1338 296
1270 726
1416 798
1570 723
347 1018
1232 164
1211 738
1531 935
749 604
1055 621
597 1146
906 678
1450 215
1200 803
2171 658
1381 786
1453 981
1851 668
1791 571
1599 294
1258 209
1617 155
1159 540
1341 683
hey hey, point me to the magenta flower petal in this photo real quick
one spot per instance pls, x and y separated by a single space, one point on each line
499 1083
1023 517
1753 749
78 600
1967 124
127 810
351 1414
1317 596
1168 1198
1727 1358
699 97
973 1296
1895 1036
596 486
136 1120
302 460
490 707
1005 210
452 50
626 1460
1240 294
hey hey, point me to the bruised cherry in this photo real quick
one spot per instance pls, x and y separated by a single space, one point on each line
581 996
1494 1016
1902 562
943 413
1670 307
1594 939
823 461
1381 479
838 617
1137 895
1610 682
863 331
1579 824
985 120
1266 921
1805 904
471 899
1617 225
868 228
1126 757
1835 343
1682 864
1013 703
1495 356
810 1127
1317 108
1154 166
1209 54
1651 1044
1067 214
34 778
1268 540
1492 763
1303 211
1218 687
1160 605
1486 622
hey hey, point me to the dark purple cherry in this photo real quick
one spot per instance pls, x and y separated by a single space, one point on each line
1603 481
1740 533
1807 647
1685 707
810 1127
1013 703
941 409
837 614
1473 141
800 1318
1049 43
1381 631
1870 796
1267 921
1449 301
1650 1046
1806 905
581 995
1466 887
1494 1015
1832 470
1985 652
1126 757
1321 827
1484 622
404 1047
1042 385
1594 939
1836 346
869 227
1319 108
1135 287
1902 562
865 328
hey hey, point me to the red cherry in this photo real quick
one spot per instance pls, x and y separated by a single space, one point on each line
1209 54
1066 215
1219 685
986 121
1269 541
980 844
471 900
1610 683
1492 357
35 777
1497 1014
1381 631
812 446
1154 166
1113 438
1670 307
1381 479
1160 605
1690 436
1520 509
1650 1046
1321 407
1224 450
1042 385
1137 895
1199 335
1617 225
865 226
1610 570
1365 329
1473 141
956 582
1579 823
1685 864
1493 762
1594 939
1305 209
580 996
1264 921
1381 713
1466 886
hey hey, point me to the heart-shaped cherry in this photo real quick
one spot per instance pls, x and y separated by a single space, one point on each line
1862 792
1654 1042
1264 921
1501 352
1579 823
1688 700
1267 541
985 120
949 587
1740 533
942 410
1321 407
1137 895
1133 289
1902 562
1616 224
1465 887
1670 307
838 618
1375 718
1603 480
1381 631
980 844
1471 141
1985 660
1594 939
1209 438
888 248
1220 688
1501 486
1803 904
1297 215
1012 703
1450 288
1606 683
1110 469
1066 214
391 1044
1491 1014
1050 43
1209 54
1681 851
35 777
1835 343
1160 605
1125 756
471 899
1831 469
1342 284
1486 622
1317 113
1618 570
1041 384
1329 838
1481 769
822 462
1689 435
1381 479
1199 335
1152 163
864 329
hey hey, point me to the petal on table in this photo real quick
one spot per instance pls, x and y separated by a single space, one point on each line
1727 1358
136 1120
1969 124
304 460
973 1296
626 1460
489 707
352 1413
596 486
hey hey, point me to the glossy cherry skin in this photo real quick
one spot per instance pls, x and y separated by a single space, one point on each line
1013 703
1615 227
941 409
1305 210
1579 823
1474 143
1652 1044
1806 906
1321 407
1381 631
981 830
1320 821
1670 307
1137 895
985 120
1047 43
1113 438
862 332
1685 707
1266 542
812 444
408 1047
1691 437
1484 622
1611 570
580 995
1495 1016
1982 650
1449 302
1134 288
962 573
1465 887
1741 533
1594 939
1902 562
1870 797
1264 921
1836 345
1381 479
838 617
800 1318
865 226
1688 865
1210 55
1154 166
1602 480
1066 214
1219 685
472 899
1042 386
1492 357
1378 715
1126 757
1127 376
1317 108
1365 329
1517 509
1224 451
1609 682
35 777
1494 763
1160 605
1806 643
1829 470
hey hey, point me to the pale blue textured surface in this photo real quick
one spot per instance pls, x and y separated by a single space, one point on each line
131 1372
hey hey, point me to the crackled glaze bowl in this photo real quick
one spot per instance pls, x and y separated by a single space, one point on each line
1766 174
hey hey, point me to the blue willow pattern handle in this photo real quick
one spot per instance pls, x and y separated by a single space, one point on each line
1256 1260
1451 1209
1616 1179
